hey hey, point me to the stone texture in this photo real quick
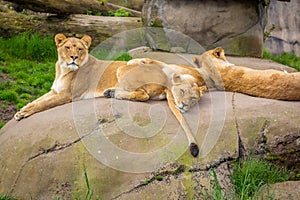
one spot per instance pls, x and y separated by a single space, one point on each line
286 19
63 6
44 155
289 190
187 59
100 28
235 25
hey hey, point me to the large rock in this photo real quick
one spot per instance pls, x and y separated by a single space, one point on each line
285 19
132 150
235 25
63 6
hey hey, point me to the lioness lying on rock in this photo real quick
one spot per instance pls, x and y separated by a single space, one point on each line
144 79
272 84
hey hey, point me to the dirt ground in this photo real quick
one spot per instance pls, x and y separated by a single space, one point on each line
7 110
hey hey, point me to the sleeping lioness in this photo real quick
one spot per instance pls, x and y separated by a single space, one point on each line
144 79
272 84
70 85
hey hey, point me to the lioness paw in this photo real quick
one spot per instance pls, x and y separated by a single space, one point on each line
19 115
109 93
139 61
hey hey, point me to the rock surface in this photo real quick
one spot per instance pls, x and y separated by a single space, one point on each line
133 150
100 28
289 190
235 25
286 20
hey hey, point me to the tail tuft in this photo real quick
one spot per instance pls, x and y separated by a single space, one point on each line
194 149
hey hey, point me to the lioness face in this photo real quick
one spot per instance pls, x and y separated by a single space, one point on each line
72 52
185 96
184 93
213 57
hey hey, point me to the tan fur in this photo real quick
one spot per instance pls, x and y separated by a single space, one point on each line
181 90
70 85
96 76
270 83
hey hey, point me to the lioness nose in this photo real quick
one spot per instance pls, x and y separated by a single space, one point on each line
74 57
184 104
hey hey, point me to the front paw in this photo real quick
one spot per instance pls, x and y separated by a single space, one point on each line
19 115
24 112
109 93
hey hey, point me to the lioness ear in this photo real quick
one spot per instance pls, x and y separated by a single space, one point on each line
87 41
59 38
218 52
176 79
196 61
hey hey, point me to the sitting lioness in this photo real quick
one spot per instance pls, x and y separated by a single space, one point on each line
72 56
272 84
144 79
98 76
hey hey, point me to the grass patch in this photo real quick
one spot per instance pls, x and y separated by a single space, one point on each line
104 54
248 178
288 59
29 63
119 13
1 124
250 175
29 47
6 197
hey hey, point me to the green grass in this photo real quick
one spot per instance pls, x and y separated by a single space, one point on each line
28 47
6 197
248 179
1 124
104 54
288 59
28 61
252 174
119 13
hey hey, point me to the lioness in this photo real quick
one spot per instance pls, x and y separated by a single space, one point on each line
270 83
144 79
70 85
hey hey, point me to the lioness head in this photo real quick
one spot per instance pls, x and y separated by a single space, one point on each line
184 93
210 62
72 52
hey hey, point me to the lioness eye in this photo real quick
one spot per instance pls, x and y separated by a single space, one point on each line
80 49
68 48
181 92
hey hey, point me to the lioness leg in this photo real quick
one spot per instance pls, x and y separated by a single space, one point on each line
137 95
194 149
48 100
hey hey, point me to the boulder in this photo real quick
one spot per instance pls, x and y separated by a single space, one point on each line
235 25
132 150
284 27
